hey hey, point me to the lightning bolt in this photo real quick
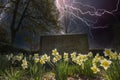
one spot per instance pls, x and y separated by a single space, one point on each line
70 10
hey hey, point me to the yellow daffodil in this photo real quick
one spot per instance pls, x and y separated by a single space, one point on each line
24 64
42 61
73 55
54 60
97 58
119 56
36 60
45 57
66 59
58 57
90 54
19 57
107 52
79 62
55 52
95 69
65 55
85 58
74 60
113 56
36 55
105 63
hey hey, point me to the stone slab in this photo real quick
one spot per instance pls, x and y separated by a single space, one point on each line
64 43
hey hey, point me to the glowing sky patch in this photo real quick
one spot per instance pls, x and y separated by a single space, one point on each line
86 13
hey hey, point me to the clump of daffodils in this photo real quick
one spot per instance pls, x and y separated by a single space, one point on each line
96 59
24 63
95 69
19 57
80 59
56 58
44 58
105 63
56 55
66 57
110 54
73 56
113 56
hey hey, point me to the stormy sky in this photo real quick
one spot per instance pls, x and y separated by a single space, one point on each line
92 17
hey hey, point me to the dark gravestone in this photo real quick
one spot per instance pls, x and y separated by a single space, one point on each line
64 43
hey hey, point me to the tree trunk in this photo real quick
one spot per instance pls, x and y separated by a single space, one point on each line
23 15
13 36
12 26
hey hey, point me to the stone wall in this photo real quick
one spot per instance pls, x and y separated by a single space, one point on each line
64 43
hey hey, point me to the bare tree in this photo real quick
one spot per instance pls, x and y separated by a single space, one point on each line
32 16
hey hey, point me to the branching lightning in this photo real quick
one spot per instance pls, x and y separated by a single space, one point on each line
71 10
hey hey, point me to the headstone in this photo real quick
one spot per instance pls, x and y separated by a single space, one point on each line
64 43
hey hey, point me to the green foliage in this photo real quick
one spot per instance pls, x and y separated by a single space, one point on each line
113 73
86 70
73 70
36 71
12 74
4 63
83 69
61 71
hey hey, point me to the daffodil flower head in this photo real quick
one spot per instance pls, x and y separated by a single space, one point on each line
85 57
19 57
95 69
105 63
73 55
42 61
55 52
45 57
24 63
74 60
79 62
90 54
58 57
107 52
36 55
65 55
113 56
54 60
97 58
36 60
